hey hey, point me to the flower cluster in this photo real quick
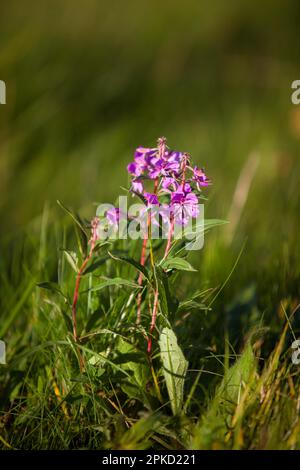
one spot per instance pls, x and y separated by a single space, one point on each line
176 184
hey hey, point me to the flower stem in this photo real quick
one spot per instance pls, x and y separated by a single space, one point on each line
140 280
76 294
153 320
143 260
170 235
92 243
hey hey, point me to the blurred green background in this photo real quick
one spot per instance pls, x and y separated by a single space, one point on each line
87 82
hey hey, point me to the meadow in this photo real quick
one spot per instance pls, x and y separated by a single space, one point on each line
85 86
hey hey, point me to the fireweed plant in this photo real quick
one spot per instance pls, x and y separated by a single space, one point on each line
153 236
172 201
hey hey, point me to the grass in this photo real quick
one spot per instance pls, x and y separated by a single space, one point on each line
222 92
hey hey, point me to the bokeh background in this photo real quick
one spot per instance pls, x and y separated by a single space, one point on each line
87 82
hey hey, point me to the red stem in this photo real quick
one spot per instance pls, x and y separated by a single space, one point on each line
77 285
140 280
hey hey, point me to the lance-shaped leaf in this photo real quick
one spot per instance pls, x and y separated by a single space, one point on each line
81 229
177 263
116 281
174 367
132 262
168 302
53 287
72 259
75 217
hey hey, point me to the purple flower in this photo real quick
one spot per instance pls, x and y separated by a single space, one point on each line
113 216
177 197
155 167
173 175
163 167
142 158
155 162
142 152
200 178
137 185
186 188
168 181
184 205
174 156
134 169
152 199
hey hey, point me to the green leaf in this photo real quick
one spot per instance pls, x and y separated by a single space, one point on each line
177 263
191 305
132 262
52 286
210 223
72 259
67 320
116 281
74 216
132 361
95 265
235 376
190 237
174 368
168 303
81 229
204 227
